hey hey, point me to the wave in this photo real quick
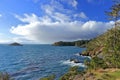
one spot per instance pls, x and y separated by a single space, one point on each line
77 54
71 63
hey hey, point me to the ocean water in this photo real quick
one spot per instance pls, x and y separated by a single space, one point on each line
31 62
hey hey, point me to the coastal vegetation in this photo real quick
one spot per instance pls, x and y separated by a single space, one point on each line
104 51
79 43
73 71
107 46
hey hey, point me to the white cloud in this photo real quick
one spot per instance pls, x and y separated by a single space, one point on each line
56 15
44 30
73 3
57 24
29 19
48 9
57 12
61 17
81 15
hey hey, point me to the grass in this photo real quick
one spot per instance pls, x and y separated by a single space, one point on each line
115 74
110 74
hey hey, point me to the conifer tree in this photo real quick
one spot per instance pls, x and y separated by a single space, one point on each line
112 46
114 14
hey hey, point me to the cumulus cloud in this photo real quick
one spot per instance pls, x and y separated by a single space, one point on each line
57 24
44 30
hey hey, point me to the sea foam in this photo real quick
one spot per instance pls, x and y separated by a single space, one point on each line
71 63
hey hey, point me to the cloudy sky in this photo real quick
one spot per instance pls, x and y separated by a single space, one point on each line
48 21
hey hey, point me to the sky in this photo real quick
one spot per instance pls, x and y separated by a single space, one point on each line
49 21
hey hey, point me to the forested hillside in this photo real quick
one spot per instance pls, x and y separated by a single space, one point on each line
79 43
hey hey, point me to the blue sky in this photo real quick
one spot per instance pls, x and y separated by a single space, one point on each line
48 21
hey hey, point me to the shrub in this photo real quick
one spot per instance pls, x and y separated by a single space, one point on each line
96 63
71 73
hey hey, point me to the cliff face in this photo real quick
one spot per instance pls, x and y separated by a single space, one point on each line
98 46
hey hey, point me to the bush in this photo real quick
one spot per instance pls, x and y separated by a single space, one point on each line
96 63
71 73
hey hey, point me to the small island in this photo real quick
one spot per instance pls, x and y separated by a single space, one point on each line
15 44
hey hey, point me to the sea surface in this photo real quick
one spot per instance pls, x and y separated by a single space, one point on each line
31 62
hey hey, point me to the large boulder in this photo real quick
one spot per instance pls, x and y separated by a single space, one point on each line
74 60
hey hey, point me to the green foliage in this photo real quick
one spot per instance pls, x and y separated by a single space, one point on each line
114 13
71 73
80 43
4 76
95 44
96 63
113 60
107 45
113 41
110 53
112 44
52 77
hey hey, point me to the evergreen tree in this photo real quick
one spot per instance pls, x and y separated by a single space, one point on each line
112 46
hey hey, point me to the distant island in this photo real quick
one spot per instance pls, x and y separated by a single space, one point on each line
79 43
15 44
